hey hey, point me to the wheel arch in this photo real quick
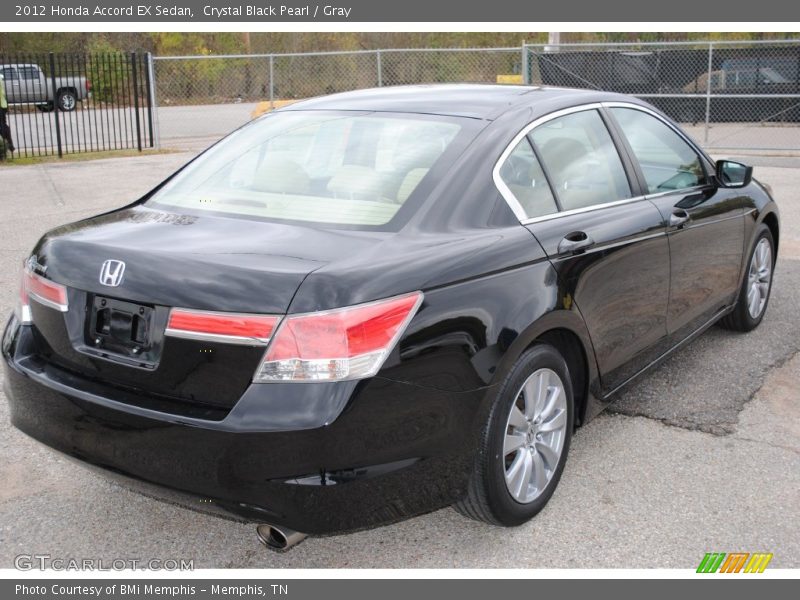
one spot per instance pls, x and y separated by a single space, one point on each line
566 331
770 219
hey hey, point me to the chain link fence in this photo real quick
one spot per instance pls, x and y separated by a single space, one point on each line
729 95
202 97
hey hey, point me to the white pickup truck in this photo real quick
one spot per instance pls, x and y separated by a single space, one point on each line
27 84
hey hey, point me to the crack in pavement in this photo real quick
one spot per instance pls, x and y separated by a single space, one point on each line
723 428
58 198
706 385
766 443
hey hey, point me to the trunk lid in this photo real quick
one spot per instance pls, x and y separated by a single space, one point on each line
208 262
173 260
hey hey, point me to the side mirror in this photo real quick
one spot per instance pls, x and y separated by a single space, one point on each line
732 174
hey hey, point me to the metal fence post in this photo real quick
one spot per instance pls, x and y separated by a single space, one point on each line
272 82
152 102
708 90
135 82
674 82
54 87
526 67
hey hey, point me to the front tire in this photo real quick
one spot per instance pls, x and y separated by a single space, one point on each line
524 444
754 293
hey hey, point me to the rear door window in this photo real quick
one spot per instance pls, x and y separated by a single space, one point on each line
523 177
581 160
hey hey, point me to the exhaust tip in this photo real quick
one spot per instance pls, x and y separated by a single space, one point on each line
278 539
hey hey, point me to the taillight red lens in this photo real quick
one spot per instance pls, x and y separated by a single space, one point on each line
218 326
348 343
44 291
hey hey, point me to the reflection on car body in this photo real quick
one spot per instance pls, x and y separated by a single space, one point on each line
384 302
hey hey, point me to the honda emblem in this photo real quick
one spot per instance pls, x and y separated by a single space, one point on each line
111 272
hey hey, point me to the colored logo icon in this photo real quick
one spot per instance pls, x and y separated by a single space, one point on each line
734 562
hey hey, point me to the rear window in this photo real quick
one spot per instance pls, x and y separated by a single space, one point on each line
334 168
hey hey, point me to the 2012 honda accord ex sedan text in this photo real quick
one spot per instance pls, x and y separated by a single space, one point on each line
364 307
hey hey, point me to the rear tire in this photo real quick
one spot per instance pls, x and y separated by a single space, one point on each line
754 293
535 442
67 100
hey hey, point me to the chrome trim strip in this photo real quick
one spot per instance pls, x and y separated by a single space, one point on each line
219 337
48 303
516 207
585 209
216 337
506 193
689 190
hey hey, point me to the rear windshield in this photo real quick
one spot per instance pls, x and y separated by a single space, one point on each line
340 168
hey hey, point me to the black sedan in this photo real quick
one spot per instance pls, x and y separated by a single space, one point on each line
360 308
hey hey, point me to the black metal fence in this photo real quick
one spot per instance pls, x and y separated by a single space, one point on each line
73 103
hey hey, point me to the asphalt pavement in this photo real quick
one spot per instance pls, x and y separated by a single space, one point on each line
701 455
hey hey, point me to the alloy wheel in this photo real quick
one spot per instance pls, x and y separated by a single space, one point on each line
759 277
535 434
68 102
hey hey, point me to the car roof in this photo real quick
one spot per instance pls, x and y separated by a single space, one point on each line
476 101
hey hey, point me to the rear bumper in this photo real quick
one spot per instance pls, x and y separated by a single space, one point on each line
391 450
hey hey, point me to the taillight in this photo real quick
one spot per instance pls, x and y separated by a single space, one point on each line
347 343
23 308
35 287
230 328
88 85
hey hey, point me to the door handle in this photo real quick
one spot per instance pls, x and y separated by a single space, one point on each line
678 218
575 242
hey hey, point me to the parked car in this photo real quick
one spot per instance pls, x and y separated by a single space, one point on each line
748 85
360 308
27 84
742 90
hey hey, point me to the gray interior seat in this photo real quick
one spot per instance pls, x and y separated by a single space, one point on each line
281 175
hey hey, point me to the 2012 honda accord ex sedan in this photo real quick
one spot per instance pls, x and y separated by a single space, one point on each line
367 306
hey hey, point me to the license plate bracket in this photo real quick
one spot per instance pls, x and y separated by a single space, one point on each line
122 328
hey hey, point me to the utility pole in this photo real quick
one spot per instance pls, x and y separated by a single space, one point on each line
553 41
248 75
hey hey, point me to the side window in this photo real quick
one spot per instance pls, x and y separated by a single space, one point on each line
581 160
29 73
667 161
9 73
524 178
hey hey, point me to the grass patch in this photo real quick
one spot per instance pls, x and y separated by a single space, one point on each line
14 161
